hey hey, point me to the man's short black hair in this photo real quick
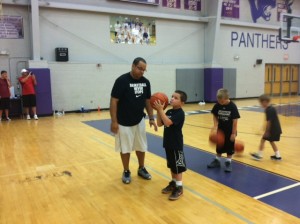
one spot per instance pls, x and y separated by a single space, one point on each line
3 71
183 96
137 60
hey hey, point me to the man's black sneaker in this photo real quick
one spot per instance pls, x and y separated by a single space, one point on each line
228 167
126 178
176 193
275 158
256 156
142 172
168 189
214 164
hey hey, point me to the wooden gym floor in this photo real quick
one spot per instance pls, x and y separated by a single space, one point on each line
61 170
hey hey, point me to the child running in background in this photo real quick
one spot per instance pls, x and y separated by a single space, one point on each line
273 129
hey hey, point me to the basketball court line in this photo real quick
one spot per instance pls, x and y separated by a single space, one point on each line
193 192
197 160
254 108
277 191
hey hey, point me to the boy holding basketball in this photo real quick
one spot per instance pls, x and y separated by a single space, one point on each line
225 117
273 129
173 121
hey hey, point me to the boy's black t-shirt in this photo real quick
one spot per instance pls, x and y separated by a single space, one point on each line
173 138
272 116
226 114
132 94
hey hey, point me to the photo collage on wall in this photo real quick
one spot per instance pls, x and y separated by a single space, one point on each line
11 27
132 30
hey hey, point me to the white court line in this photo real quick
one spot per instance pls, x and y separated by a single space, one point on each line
277 191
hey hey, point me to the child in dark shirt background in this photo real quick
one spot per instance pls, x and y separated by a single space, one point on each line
273 129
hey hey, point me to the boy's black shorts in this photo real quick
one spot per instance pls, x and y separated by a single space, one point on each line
29 100
228 146
4 103
272 138
175 160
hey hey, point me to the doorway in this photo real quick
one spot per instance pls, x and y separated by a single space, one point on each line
281 79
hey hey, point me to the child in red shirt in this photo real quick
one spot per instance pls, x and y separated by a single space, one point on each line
4 95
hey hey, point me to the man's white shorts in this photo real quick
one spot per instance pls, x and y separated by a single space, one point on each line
132 138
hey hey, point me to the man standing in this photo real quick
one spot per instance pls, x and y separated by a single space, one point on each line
129 97
28 82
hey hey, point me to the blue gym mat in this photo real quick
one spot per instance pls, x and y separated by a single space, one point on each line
244 178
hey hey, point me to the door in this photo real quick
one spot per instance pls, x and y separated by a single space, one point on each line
276 87
286 79
268 79
294 79
191 81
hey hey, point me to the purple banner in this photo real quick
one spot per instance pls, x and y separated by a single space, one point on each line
231 9
171 4
194 5
151 2
11 27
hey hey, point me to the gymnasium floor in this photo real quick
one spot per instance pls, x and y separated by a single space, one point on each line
64 170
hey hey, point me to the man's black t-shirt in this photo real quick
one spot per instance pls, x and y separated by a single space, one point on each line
272 116
226 114
132 94
173 138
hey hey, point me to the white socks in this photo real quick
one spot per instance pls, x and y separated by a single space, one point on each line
219 159
178 183
277 154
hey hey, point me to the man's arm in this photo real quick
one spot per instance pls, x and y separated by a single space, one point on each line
23 80
149 110
8 82
34 80
159 121
113 114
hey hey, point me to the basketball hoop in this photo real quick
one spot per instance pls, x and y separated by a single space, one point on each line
296 38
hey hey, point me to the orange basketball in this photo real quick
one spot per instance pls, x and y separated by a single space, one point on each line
217 138
239 146
159 97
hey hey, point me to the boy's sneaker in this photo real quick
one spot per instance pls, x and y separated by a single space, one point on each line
256 156
275 158
28 117
126 177
142 172
168 189
228 167
35 117
176 193
214 164
8 119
